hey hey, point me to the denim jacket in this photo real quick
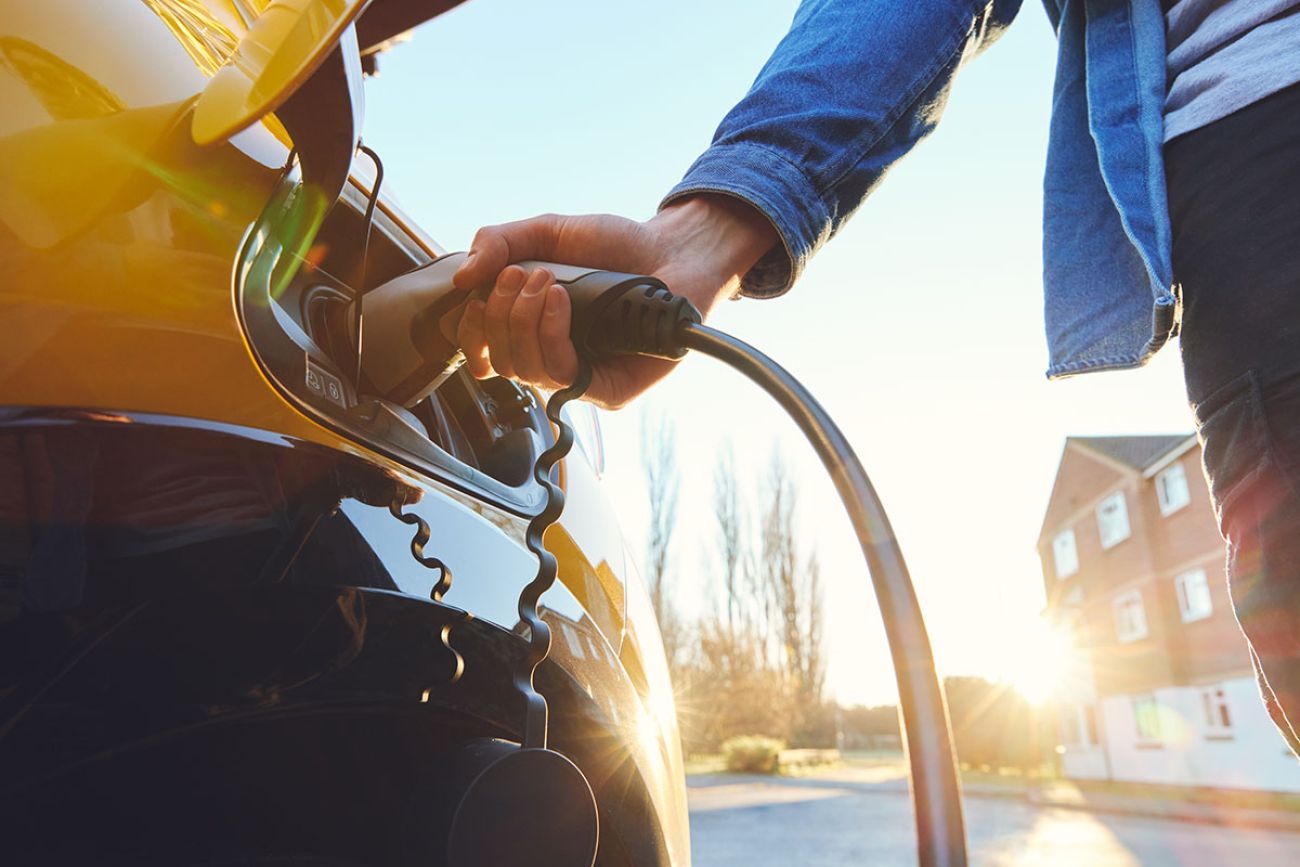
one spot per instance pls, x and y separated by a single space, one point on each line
856 84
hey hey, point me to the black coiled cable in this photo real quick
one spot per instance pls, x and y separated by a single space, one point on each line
539 634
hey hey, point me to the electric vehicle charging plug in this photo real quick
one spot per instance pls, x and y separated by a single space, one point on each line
408 345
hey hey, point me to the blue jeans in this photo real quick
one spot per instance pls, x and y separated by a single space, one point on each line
1236 252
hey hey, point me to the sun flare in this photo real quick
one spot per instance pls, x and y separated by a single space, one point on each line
1045 662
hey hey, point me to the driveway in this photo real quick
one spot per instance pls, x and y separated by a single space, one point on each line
739 821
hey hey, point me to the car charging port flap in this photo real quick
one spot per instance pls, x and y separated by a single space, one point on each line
294 286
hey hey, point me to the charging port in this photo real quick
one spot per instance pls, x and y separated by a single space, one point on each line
480 436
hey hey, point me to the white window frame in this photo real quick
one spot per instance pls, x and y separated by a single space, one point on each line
1125 632
1146 709
1216 711
574 640
1184 582
1061 572
1111 534
1078 726
1183 495
1071 730
1090 725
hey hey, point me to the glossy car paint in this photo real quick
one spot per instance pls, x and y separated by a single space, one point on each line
120 238
282 47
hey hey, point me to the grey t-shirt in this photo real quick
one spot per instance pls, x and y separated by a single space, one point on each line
1224 55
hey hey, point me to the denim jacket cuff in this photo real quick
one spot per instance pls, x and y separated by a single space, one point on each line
763 178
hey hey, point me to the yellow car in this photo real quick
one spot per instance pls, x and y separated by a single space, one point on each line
249 612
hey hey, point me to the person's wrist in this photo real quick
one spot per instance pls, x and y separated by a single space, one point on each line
725 237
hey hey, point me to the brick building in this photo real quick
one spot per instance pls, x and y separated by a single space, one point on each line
1133 568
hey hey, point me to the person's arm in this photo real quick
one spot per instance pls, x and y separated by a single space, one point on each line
848 92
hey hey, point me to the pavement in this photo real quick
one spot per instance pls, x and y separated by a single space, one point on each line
1065 796
863 816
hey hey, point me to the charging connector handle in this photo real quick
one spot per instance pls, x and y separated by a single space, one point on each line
409 344
623 314
936 791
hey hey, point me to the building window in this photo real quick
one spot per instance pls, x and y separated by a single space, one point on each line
1214 708
1171 489
1071 736
574 640
1090 724
1112 520
1146 719
1065 554
1130 617
1078 725
1193 595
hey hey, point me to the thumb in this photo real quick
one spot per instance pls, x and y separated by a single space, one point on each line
495 247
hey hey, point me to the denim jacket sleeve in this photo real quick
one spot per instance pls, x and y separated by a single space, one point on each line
848 92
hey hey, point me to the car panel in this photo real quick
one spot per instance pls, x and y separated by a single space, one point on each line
133 511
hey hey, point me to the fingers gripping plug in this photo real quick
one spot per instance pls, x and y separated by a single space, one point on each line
408 350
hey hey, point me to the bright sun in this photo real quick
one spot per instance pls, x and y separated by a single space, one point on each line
1046 660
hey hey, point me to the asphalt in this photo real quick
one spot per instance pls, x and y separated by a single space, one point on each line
1066 797
863 816
892 777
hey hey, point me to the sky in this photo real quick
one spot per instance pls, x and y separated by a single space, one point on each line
919 327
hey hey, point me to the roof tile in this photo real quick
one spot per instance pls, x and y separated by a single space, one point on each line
1138 452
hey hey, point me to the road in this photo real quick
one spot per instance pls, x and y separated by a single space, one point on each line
741 821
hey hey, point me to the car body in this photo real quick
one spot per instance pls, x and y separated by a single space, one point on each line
218 637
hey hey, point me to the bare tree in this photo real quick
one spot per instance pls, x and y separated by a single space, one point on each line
659 461
727 511
779 566
756 664
728 690
792 586
814 661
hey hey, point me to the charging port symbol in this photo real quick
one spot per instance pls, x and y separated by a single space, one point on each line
325 384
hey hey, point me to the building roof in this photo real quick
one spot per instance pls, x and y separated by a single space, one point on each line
1138 452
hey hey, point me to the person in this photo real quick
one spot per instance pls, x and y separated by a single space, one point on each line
1170 207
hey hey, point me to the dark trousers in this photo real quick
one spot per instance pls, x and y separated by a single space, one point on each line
1234 197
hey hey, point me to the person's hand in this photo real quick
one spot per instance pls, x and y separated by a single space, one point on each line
700 247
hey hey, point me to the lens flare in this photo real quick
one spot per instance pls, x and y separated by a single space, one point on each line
1046 665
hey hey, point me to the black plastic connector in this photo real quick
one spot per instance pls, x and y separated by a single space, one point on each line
622 314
